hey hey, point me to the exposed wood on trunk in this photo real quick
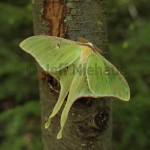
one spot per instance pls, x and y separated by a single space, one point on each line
54 12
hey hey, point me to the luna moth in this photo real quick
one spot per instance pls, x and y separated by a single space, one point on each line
80 70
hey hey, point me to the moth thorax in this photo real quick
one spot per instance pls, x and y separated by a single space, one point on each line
86 52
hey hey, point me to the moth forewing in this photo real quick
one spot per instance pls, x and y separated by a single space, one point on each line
108 82
51 52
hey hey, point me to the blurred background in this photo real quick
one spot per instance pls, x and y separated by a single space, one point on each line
129 43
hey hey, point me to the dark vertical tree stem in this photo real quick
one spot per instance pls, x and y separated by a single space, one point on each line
89 123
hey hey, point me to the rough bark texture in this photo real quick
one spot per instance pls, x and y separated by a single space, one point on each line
89 123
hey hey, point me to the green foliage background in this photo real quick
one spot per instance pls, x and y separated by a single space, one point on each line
129 38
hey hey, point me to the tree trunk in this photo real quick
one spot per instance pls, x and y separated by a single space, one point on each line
88 126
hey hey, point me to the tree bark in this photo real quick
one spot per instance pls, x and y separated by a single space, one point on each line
89 123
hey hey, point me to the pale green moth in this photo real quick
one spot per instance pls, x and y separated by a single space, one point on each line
80 70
